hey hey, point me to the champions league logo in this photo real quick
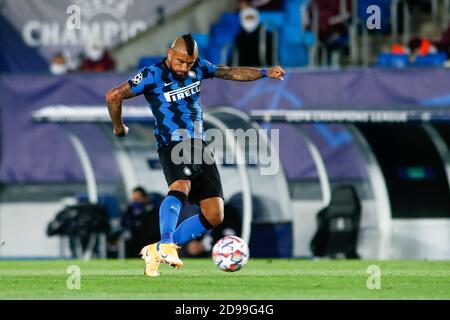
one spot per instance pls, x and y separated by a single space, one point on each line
137 78
107 21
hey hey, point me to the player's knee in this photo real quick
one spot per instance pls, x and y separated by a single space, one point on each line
215 217
182 186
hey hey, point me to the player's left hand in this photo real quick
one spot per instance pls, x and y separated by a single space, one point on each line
276 72
121 131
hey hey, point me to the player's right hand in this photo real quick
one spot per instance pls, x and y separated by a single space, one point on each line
276 72
121 131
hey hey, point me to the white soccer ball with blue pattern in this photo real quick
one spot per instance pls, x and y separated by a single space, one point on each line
230 253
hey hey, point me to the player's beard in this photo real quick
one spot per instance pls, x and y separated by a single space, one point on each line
178 75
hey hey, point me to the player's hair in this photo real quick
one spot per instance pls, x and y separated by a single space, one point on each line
190 43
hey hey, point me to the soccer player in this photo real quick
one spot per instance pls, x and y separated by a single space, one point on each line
172 89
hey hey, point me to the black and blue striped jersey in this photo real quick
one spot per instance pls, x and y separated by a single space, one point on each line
175 104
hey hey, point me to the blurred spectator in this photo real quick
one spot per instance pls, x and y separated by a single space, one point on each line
58 64
332 24
140 223
444 43
96 58
262 5
419 11
198 248
421 46
397 48
248 39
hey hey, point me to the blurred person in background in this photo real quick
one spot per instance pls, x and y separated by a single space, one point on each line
58 64
333 29
247 40
421 43
443 45
96 58
140 222
198 248
421 46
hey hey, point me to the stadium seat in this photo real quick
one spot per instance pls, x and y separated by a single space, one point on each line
272 18
202 40
291 34
294 50
271 240
225 30
294 41
220 36
431 60
392 60
148 61
230 19
338 225
267 240
292 11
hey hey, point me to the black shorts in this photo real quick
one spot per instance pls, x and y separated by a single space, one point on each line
198 166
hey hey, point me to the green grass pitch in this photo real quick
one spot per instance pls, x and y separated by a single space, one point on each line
200 279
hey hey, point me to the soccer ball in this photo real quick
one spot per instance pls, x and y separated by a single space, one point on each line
230 253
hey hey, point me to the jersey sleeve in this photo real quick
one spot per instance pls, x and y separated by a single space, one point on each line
208 69
141 81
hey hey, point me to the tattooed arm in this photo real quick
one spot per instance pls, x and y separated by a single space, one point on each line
247 73
114 98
